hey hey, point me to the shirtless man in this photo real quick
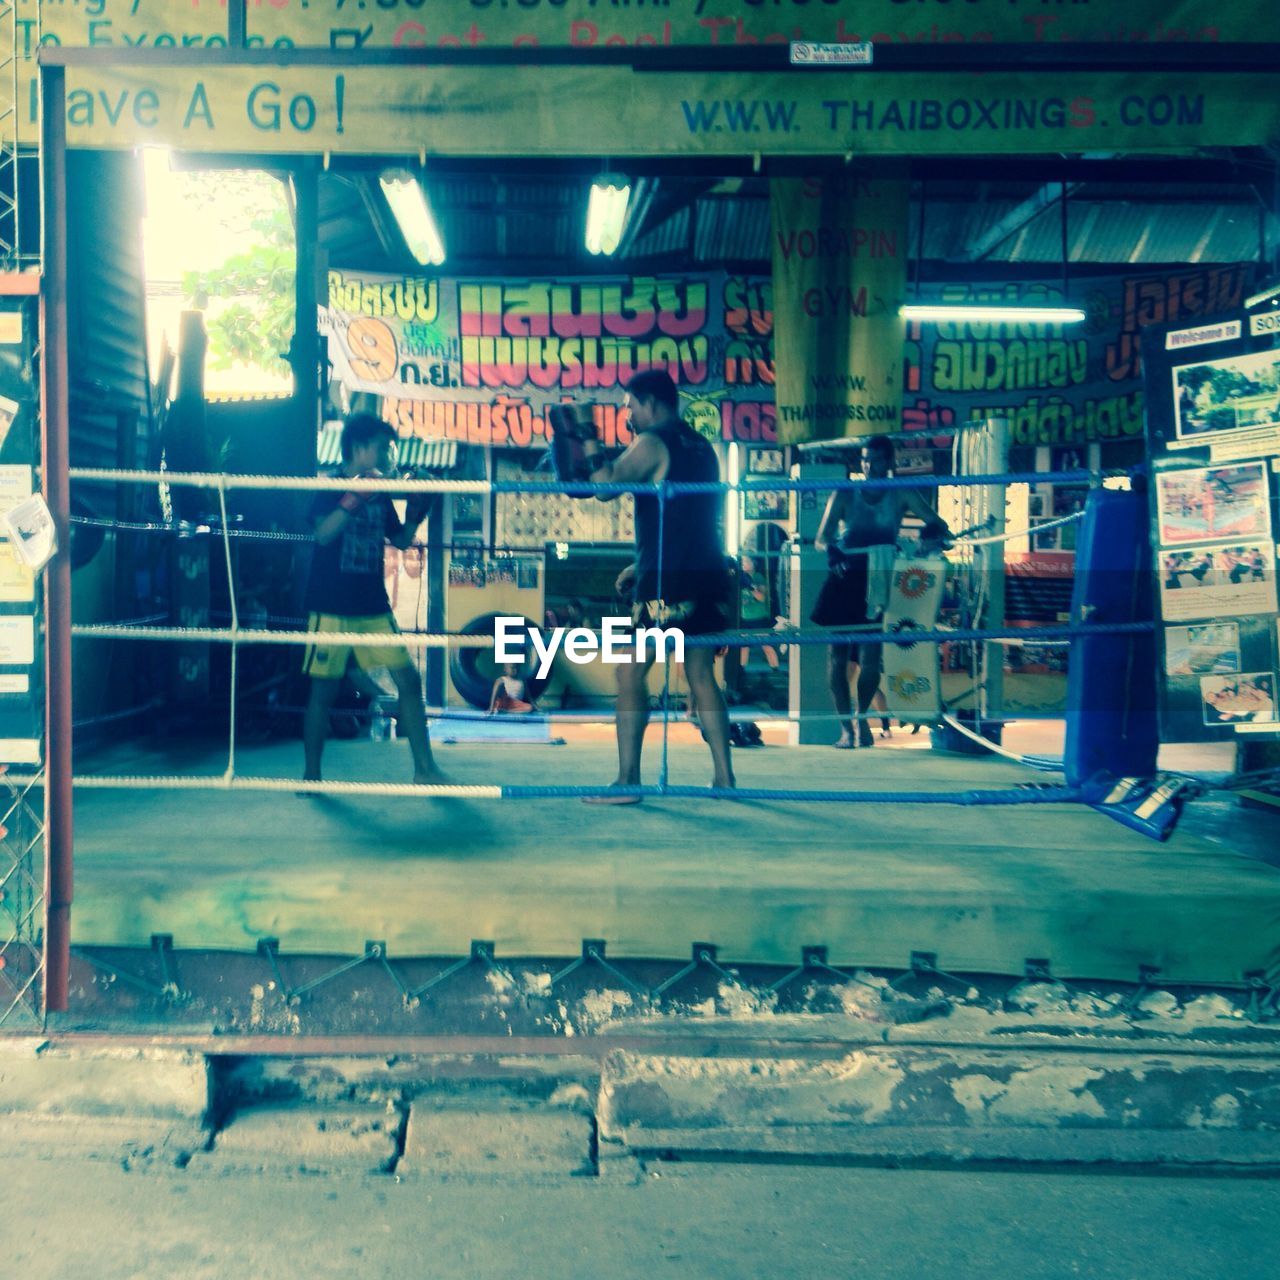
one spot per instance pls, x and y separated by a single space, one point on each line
678 577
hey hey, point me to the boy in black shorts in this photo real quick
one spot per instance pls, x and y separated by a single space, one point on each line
347 592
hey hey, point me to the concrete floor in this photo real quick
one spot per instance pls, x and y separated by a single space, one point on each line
70 1218
984 888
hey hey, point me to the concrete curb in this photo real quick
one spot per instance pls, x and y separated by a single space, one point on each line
42 1079
134 1141
922 1103
472 1113
328 1138
443 1142
902 1146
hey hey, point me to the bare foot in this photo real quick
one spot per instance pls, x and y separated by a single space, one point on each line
844 742
613 797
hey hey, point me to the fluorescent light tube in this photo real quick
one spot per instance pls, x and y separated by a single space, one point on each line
408 203
941 312
1269 293
607 213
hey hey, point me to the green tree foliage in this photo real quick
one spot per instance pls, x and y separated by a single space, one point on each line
256 325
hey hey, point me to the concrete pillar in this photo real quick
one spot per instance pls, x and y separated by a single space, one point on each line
808 693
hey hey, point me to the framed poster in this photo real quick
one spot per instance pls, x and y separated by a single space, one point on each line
1210 649
1213 432
1229 399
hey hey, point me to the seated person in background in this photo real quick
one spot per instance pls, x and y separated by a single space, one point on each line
752 615
511 693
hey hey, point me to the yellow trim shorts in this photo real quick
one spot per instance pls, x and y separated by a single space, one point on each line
329 661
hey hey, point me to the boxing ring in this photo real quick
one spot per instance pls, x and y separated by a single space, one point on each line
916 867
236 636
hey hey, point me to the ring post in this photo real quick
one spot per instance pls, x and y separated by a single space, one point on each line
996 462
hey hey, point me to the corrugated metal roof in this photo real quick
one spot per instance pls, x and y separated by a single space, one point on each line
731 229
434 455
667 237
523 223
105 314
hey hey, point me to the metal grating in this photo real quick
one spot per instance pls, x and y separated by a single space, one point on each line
9 175
271 993
21 900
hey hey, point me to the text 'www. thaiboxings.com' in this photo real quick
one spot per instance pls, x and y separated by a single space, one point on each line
937 115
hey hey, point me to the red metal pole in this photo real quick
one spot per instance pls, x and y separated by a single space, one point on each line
57 575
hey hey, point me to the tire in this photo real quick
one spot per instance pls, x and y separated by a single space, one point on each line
473 671
86 539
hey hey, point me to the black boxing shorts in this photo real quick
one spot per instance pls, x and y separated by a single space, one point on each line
699 617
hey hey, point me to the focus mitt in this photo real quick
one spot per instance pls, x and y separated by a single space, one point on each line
572 425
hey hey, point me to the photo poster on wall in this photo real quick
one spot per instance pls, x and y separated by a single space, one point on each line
21 594
1213 449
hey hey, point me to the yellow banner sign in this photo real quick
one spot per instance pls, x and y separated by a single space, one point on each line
839 279
109 24
479 111
585 24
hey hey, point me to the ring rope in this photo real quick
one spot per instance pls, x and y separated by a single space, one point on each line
740 713
1010 534
223 782
1035 794
279 535
584 488
713 640
451 791
1044 763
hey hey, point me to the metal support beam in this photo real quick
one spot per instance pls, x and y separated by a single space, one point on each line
57 576
942 58
304 353
1017 218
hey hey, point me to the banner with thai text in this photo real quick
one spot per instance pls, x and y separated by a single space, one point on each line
526 345
483 360
1056 384
839 275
